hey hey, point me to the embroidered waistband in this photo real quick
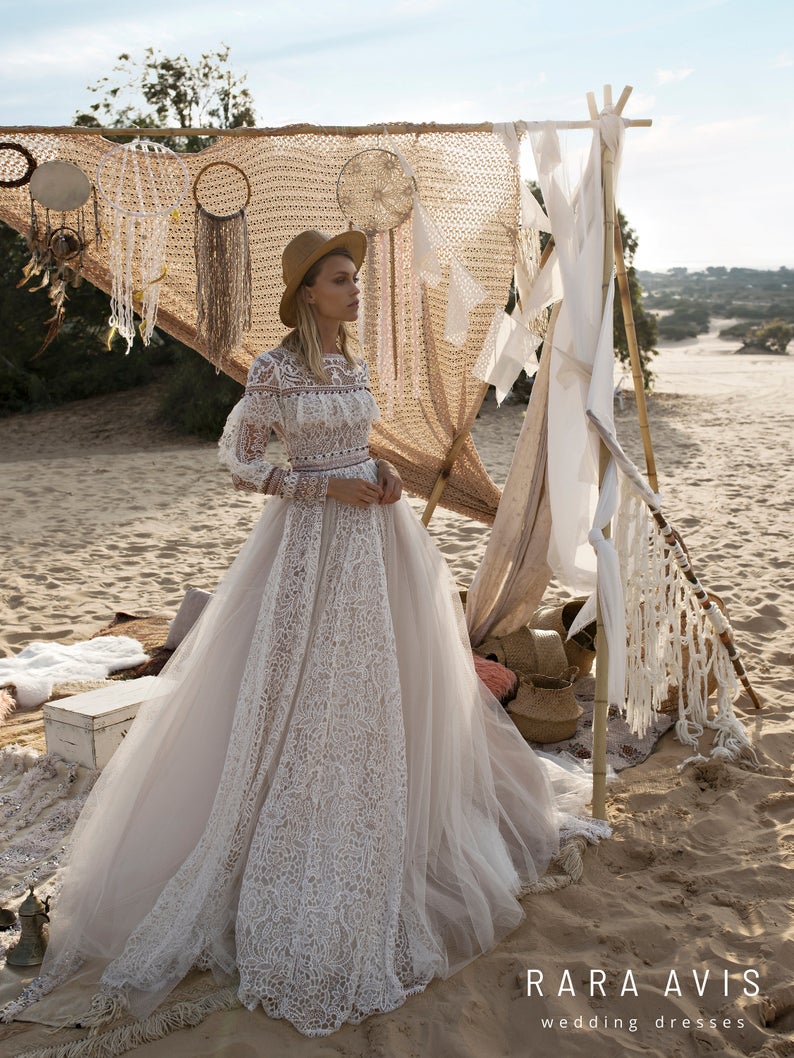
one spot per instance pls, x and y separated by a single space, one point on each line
332 460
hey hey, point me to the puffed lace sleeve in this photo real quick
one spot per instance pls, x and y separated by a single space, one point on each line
243 444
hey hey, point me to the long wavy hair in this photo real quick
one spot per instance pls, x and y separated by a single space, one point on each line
304 341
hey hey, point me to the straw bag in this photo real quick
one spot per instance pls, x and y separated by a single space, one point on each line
527 651
579 650
545 709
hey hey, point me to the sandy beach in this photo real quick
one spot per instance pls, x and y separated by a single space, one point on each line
105 510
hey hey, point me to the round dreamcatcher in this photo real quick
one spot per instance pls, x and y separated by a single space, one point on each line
144 183
376 193
223 261
58 234
15 171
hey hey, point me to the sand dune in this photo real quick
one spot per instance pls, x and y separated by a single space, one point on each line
105 511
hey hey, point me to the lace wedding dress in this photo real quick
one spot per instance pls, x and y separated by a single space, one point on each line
320 800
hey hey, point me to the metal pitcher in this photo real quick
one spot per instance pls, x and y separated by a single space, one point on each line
30 948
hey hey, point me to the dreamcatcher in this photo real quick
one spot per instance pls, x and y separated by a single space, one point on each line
223 259
10 175
57 236
376 194
145 184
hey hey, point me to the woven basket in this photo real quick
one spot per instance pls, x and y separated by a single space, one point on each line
527 651
670 704
545 709
580 650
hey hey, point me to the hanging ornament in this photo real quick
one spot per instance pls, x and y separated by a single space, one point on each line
376 194
145 184
10 175
56 249
223 261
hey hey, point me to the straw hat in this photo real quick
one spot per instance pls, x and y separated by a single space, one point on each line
527 650
304 251
579 649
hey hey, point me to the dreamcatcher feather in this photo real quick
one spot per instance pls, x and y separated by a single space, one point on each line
58 189
144 183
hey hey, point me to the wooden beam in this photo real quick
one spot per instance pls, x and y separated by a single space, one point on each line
393 128
601 704
634 357
624 98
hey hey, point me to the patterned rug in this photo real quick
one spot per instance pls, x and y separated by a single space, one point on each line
624 749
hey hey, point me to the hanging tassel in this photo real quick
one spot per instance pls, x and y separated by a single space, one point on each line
223 283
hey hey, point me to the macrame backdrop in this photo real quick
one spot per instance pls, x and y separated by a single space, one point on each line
469 187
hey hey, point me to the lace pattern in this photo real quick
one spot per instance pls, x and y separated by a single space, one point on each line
322 427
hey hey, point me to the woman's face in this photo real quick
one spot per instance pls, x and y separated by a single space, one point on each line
334 293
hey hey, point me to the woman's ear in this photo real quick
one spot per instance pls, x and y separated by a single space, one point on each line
306 294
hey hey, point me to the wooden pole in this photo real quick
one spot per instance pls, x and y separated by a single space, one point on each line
446 467
601 705
394 128
634 357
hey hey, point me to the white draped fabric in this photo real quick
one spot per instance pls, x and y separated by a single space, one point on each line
580 394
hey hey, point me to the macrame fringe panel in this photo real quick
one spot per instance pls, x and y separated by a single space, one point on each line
223 283
672 639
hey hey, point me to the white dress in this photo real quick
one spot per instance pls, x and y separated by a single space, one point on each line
320 800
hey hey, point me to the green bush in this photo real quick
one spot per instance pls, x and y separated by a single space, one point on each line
197 399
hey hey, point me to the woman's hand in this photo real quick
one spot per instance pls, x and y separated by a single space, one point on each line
390 482
355 491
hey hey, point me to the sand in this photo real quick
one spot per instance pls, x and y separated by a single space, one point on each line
106 511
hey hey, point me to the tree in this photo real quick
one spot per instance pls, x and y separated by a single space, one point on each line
178 93
77 364
645 323
774 336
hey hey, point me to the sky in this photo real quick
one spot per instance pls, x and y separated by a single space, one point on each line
711 183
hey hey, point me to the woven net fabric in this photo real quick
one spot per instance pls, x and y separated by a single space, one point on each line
467 184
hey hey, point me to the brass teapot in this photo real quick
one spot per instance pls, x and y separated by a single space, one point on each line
29 949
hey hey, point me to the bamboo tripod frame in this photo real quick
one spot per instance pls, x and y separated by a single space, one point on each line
601 704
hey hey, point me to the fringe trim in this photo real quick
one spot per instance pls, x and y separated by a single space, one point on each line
159 1024
672 640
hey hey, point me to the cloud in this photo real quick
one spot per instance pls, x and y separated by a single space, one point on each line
782 61
672 76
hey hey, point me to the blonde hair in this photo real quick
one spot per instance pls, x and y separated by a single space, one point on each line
304 341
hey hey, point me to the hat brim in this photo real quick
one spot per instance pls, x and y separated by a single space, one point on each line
355 242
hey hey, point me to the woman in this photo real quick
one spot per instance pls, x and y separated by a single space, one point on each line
321 803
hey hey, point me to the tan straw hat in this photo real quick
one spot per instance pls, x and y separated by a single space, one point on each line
304 251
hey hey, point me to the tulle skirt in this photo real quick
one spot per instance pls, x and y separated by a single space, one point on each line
319 800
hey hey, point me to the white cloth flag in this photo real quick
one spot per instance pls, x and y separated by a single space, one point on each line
509 349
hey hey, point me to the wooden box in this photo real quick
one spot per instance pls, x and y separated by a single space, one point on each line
88 728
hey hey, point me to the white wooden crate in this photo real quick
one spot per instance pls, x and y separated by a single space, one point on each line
88 728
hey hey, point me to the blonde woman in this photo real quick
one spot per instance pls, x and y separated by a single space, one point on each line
320 803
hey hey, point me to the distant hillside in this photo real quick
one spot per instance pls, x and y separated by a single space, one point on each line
686 301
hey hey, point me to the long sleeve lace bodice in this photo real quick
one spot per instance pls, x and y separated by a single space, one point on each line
323 427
